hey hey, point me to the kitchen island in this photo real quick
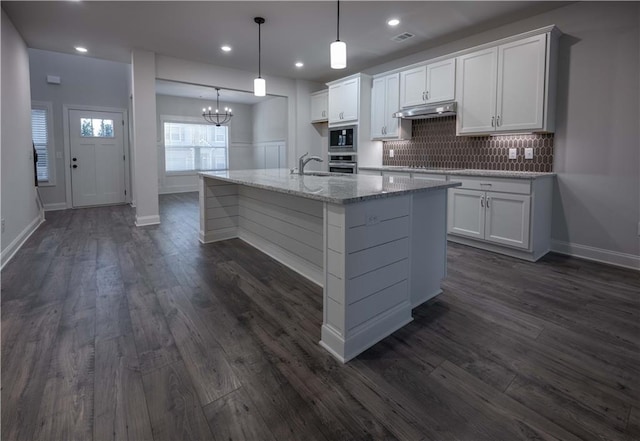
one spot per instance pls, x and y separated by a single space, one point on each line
376 245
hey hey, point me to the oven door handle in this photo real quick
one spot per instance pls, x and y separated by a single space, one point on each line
343 164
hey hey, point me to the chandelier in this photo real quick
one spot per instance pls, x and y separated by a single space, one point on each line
217 118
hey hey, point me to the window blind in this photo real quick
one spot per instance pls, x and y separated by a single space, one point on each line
40 135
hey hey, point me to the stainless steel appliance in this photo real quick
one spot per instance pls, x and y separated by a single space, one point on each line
426 112
343 163
343 140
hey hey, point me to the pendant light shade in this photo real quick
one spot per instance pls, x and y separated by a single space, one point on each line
259 87
338 48
259 84
338 55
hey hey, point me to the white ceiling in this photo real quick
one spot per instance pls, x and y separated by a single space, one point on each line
294 30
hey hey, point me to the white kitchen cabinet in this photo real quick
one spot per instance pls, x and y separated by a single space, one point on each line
385 100
431 83
509 216
429 176
369 172
344 99
319 106
507 88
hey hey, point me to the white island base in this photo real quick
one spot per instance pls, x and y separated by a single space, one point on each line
376 259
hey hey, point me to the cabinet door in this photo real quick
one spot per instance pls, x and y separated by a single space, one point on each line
507 219
392 105
335 103
441 81
477 74
378 107
466 213
413 86
319 107
521 79
350 98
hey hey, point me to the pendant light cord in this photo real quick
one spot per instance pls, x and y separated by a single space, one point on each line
338 23
259 49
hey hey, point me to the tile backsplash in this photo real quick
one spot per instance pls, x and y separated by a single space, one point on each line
434 144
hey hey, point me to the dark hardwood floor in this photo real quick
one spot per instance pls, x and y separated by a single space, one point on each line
112 332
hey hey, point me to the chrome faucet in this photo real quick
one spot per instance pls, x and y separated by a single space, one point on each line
302 162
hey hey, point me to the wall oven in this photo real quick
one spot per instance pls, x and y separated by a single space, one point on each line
343 140
343 164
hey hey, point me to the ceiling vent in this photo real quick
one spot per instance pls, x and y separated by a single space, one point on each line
402 37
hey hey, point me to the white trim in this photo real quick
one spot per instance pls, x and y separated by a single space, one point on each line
67 145
55 206
11 250
624 260
144 221
51 142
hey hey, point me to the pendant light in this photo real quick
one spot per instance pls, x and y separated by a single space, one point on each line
259 84
217 118
338 48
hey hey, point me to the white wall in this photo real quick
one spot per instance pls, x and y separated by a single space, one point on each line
18 209
84 81
270 120
596 207
240 136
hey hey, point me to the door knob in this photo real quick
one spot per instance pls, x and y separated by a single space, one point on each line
75 166
74 159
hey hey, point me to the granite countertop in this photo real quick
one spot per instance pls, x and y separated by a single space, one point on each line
463 172
336 188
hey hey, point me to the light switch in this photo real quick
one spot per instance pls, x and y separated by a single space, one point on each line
528 153
391 153
513 153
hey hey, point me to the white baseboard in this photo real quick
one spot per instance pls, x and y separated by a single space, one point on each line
596 254
178 189
56 206
13 247
144 221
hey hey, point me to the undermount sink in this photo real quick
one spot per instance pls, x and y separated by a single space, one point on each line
316 174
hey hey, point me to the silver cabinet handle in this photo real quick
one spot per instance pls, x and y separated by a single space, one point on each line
486 184
493 121
427 95
482 201
497 120
488 199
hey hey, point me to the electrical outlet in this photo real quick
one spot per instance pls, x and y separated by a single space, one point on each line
391 153
528 153
3 225
513 153
372 219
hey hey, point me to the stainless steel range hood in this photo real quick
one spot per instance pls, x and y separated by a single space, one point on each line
430 111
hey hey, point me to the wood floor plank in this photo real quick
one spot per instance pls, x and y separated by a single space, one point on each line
174 408
497 406
120 404
203 357
154 342
66 409
235 417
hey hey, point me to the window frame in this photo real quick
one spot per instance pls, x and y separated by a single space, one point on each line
51 151
187 120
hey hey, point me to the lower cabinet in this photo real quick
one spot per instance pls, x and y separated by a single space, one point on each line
509 216
495 217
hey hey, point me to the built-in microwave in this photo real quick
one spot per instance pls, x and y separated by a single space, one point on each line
343 139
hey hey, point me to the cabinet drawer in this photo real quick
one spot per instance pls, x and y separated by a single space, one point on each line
429 176
519 186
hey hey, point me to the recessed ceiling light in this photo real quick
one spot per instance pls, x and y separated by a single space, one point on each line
393 22
226 48
299 64
81 49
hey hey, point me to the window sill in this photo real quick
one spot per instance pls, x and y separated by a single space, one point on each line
46 184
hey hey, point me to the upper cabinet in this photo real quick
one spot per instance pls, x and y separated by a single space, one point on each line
507 88
344 99
319 106
385 100
431 83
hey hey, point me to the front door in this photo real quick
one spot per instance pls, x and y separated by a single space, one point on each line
97 157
